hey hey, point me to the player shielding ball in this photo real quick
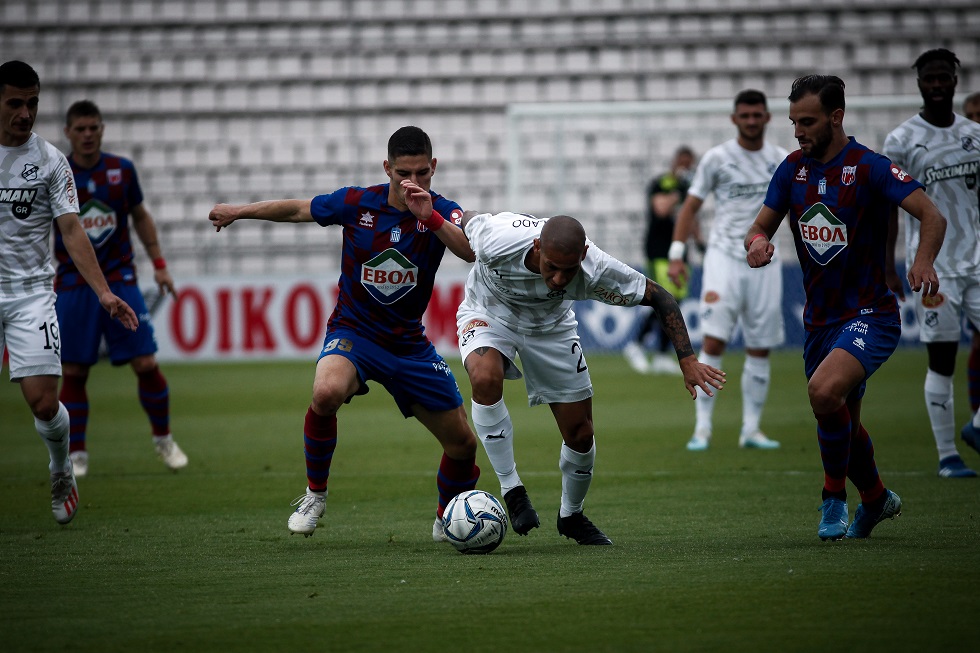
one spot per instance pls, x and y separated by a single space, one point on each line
518 302
838 195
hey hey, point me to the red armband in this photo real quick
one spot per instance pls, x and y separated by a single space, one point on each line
752 239
159 263
435 221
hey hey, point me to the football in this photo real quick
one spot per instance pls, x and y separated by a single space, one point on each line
474 522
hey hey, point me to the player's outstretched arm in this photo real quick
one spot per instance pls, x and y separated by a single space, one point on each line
696 373
759 249
892 280
223 215
146 229
922 273
83 256
419 202
684 228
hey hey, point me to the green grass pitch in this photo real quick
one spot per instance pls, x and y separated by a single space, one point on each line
714 551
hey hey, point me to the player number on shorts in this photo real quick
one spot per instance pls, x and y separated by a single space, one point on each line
343 344
51 340
581 366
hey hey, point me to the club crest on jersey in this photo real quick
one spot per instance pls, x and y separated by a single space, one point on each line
30 172
848 175
99 222
396 234
389 276
113 176
823 234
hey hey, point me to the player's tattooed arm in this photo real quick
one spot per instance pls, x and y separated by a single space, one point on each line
670 317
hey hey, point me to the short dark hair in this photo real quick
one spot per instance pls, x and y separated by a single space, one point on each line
751 96
82 109
409 141
939 54
18 74
829 88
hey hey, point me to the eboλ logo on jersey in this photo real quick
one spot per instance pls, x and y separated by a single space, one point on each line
99 222
389 276
823 234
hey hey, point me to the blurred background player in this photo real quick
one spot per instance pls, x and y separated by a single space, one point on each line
38 190
838 194
664 194
394 238
111 201
738 173
942 150
971 109
518 302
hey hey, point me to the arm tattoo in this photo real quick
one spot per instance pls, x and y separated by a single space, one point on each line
670 317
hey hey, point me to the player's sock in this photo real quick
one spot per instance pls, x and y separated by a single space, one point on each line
755 389
54 434
939 406
704 407
155 398
834 437
862 469
455 476
973 378
74 397
496 431
576 477
319 442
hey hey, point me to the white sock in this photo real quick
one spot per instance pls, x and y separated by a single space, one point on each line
576 477
755 389
54 434
496 432
704 406
939 406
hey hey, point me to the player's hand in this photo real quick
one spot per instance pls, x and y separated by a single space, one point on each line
760 252
895 283
699 375
677 272
223 215
164 282
119 310
922 276
419 200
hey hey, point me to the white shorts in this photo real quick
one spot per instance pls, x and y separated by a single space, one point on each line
939 316
732 291
554 364
29 327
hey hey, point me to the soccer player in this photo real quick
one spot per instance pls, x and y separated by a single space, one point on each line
664 195
518 301
738 173
394 237
111 200
838 193
942 150
971 107
37 189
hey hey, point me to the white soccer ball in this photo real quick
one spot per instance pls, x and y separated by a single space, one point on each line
474 522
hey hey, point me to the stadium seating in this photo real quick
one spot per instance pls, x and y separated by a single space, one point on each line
239 100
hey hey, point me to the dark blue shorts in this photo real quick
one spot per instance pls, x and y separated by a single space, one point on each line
423 378
84 323
869 338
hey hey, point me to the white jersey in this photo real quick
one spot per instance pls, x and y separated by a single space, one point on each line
501 286
739 178
36 186
947 161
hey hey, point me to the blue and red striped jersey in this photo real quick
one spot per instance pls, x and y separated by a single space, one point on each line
839 215
107 194
388 265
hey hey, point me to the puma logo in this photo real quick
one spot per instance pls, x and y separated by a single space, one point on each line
940 405
584 472
499 436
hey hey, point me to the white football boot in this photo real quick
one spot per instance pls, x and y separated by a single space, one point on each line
309 509
168 451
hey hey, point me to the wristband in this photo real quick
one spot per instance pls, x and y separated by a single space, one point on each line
752 240
435 221
159 263
676 251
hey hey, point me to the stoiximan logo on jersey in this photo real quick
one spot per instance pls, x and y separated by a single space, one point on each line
823 234
389 276
98 221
